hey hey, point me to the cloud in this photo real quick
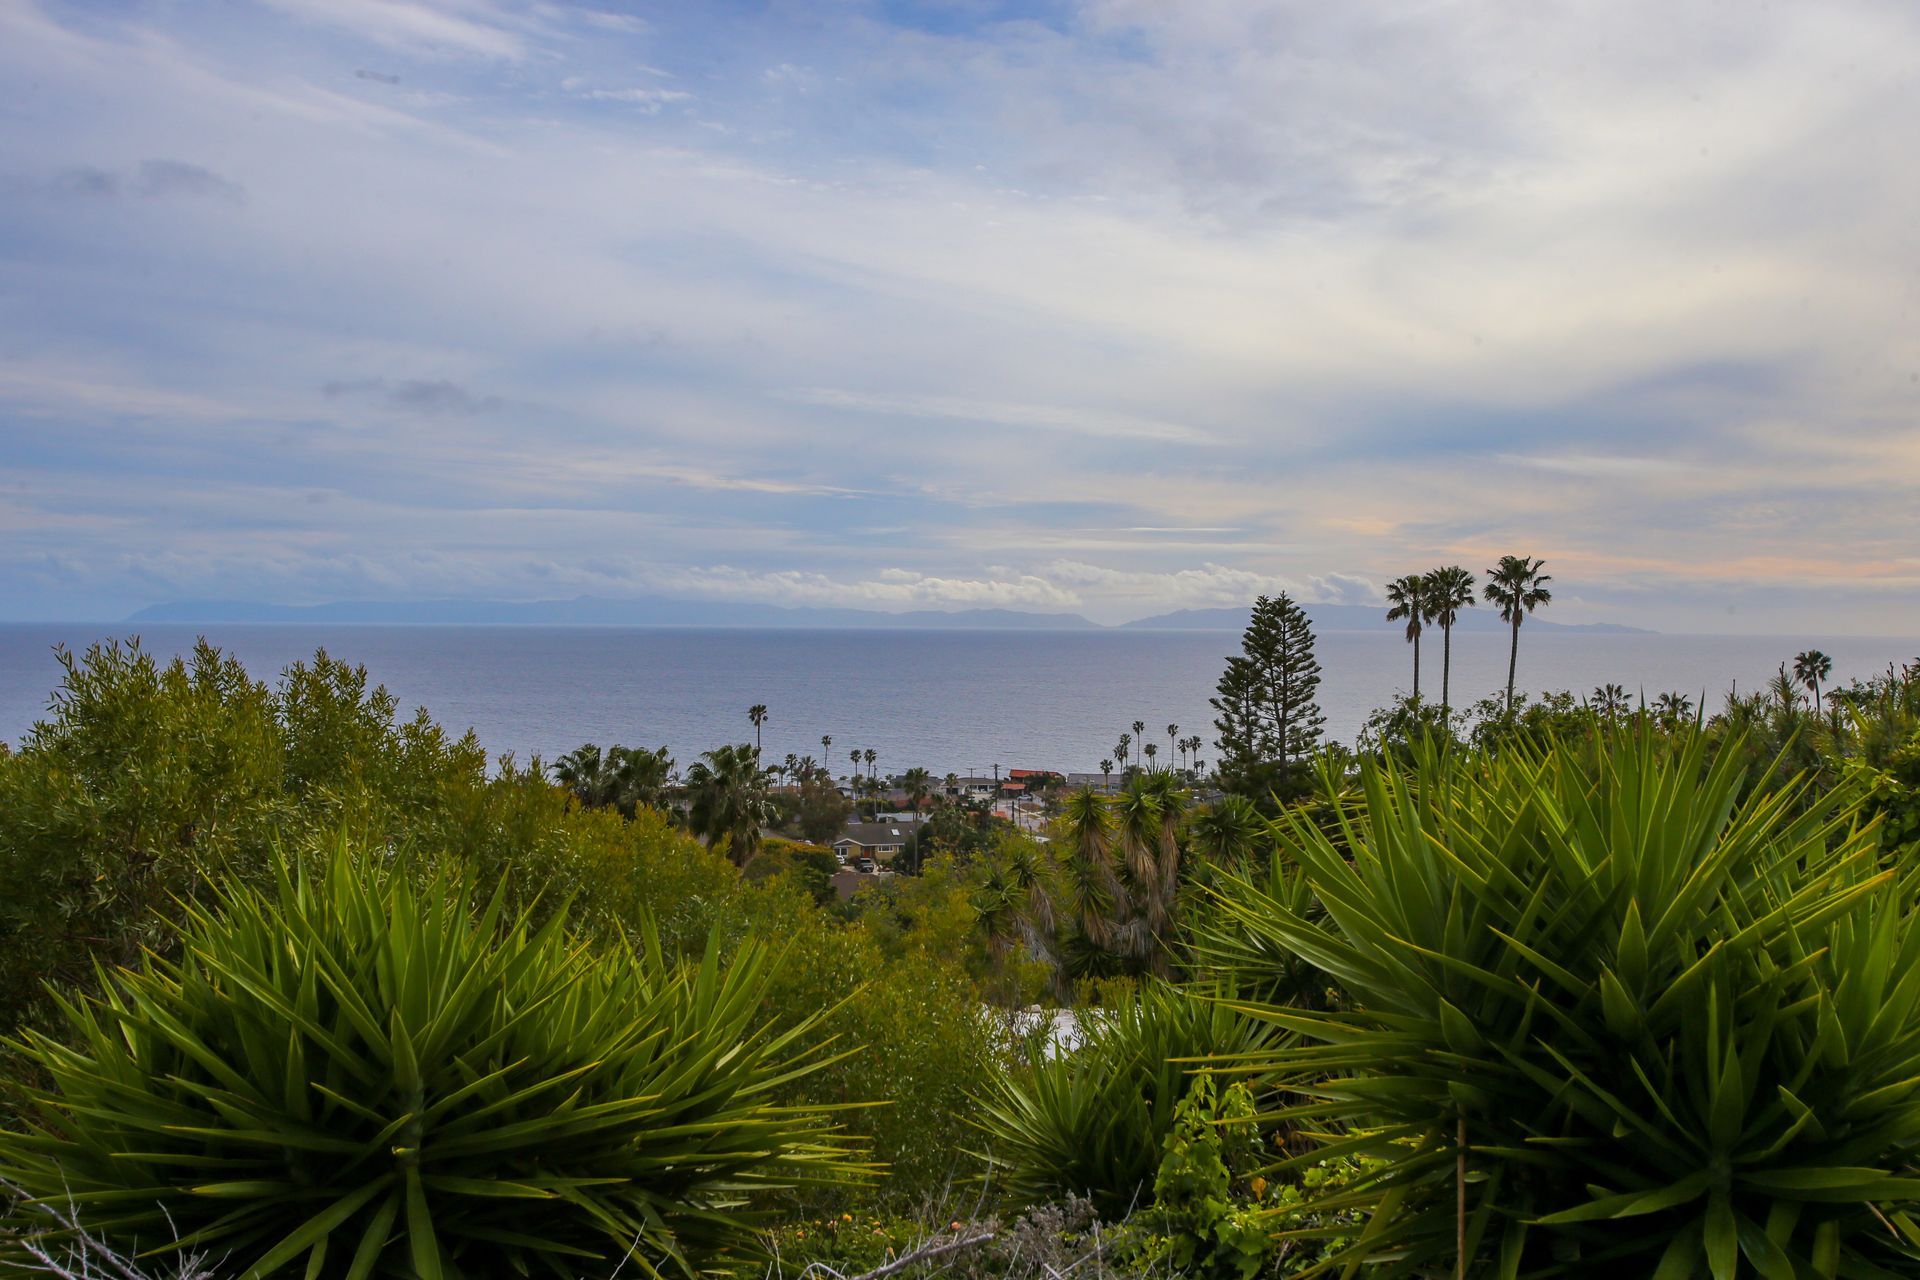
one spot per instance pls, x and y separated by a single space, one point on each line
162 178
152 179
1088 422
414 27
415 395
1133 307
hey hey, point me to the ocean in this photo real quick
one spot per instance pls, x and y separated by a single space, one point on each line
952 701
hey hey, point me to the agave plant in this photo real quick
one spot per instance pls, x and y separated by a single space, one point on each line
1606 1016
1093 1122
352 1076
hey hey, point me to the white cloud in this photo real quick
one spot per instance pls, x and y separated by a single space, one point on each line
1076 421
410 26
1161 307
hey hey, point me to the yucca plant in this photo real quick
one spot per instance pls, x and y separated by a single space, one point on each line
1606 1018
350 1075
1093 1122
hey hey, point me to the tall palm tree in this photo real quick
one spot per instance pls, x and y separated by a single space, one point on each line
871 755
1173 743
953 786
854 755
826 745
1518 587
917 782
1152 749
1810 668
1092 884
1120 750
1449 590
1408 596
758 714
1139 729
728 794
1106 775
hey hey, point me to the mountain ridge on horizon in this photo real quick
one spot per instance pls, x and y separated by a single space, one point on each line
665 611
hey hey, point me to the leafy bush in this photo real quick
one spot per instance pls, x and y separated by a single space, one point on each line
1214 1145
1657 1025
356 1076
146 781
1094 1122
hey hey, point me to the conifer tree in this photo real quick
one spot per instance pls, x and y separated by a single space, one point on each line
1267 714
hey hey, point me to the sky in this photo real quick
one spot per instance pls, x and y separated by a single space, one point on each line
1109 307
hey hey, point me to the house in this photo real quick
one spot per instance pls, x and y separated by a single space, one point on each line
974 788
877 840
1100 783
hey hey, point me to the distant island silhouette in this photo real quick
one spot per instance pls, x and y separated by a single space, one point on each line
661 611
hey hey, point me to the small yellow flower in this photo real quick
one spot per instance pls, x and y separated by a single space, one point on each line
1259 1186
846 1217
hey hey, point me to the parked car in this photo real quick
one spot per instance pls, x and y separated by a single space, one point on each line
865 866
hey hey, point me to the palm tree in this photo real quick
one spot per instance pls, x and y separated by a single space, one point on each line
1120 750
1810 668
917 782
1152 749
623 778
953 786
1449 590
1151 812
1610 700
826 745
728 794
1673 708
758 714
1173 743
854 755
1139 729
1518 587
871 755
1092 884
1106 775
1408 596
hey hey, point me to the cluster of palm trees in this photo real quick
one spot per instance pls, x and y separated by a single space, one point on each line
1811 669
1107 902
1186 749
1517 585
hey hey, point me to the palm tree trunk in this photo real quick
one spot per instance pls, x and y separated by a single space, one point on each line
1446 670
1513 659
1416 666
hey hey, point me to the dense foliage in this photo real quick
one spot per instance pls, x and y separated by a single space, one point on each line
1093 1122
346 1075
1658 1022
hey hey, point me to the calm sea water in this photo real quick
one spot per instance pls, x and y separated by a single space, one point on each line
958 701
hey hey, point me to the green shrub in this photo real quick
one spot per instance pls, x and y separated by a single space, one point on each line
146 780
1211 1231
357 1076
1665 1030
1094 1122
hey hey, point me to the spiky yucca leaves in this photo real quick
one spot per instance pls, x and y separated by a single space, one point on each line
1093 1122
1680 1031
346 1075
